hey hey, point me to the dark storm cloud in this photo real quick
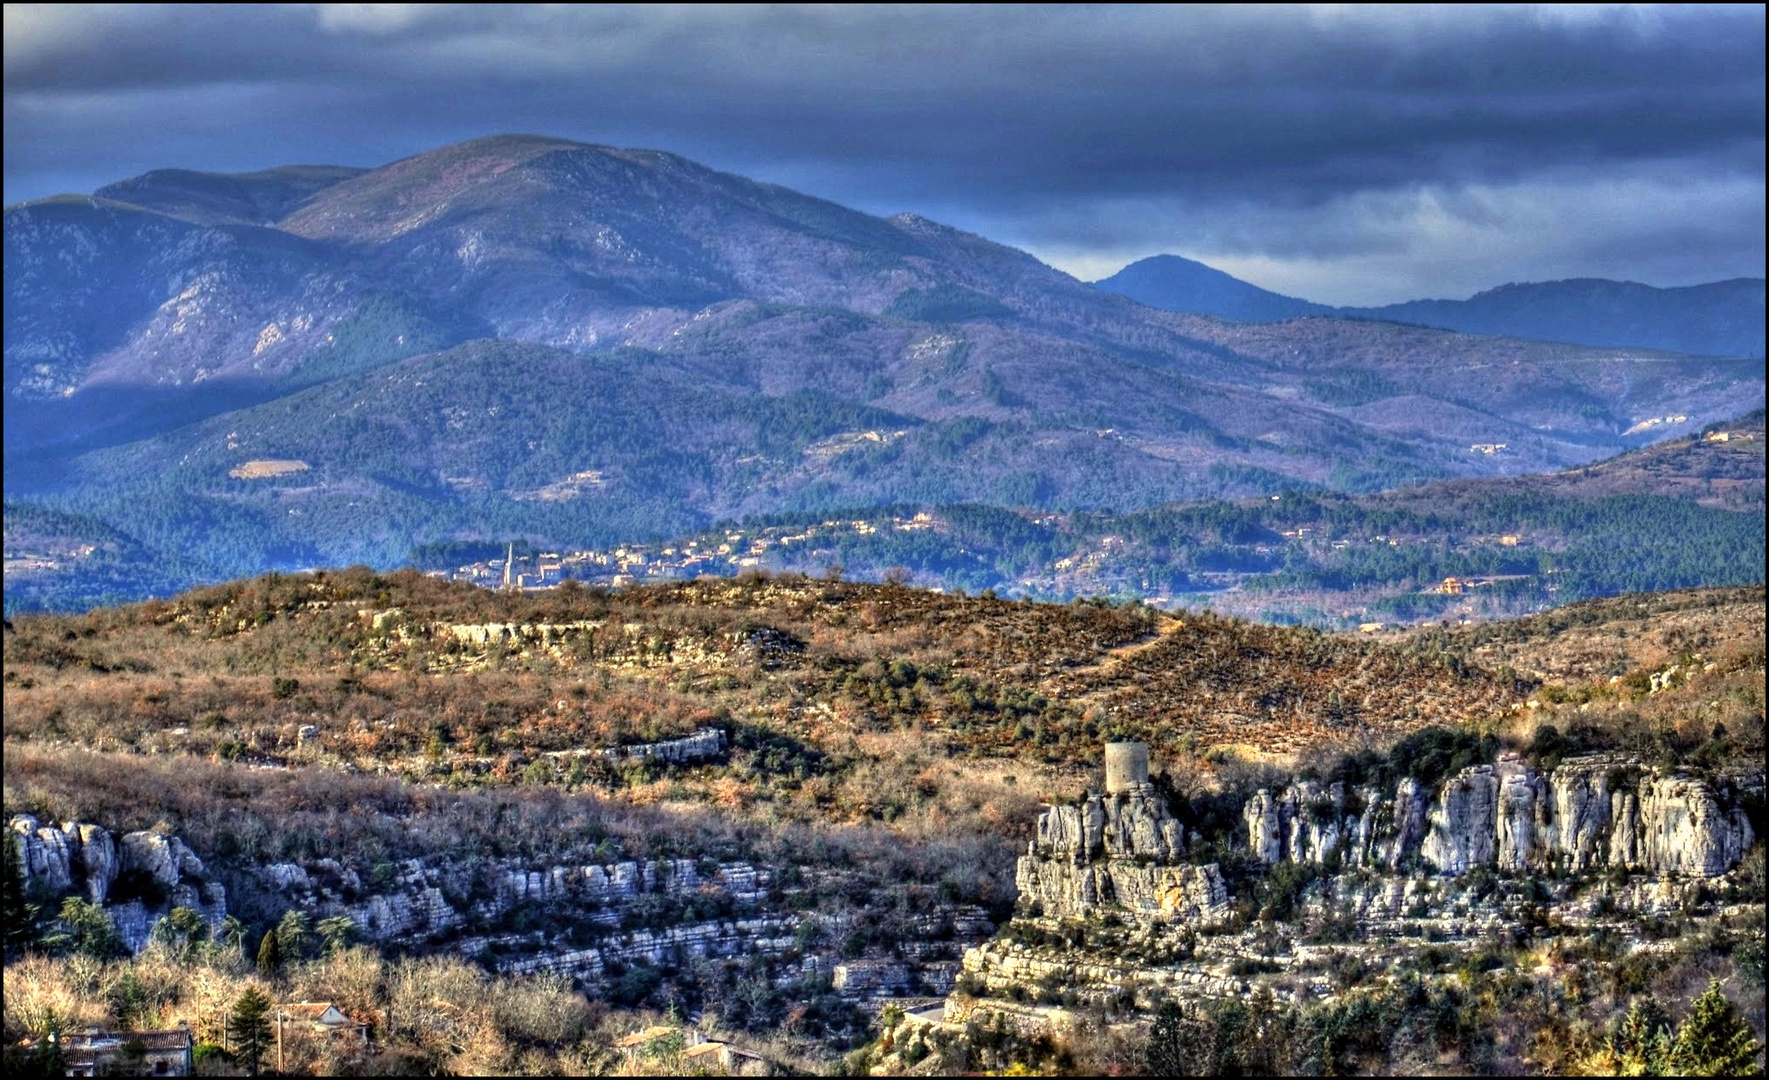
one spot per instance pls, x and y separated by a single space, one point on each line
1278 139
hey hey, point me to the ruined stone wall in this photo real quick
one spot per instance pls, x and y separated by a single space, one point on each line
1127 766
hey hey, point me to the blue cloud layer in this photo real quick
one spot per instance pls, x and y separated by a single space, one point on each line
1356 151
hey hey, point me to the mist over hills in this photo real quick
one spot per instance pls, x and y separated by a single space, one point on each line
1721 318
528 337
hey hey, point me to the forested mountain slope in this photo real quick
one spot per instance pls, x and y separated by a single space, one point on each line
579 345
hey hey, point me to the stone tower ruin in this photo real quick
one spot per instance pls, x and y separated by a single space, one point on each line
1127 765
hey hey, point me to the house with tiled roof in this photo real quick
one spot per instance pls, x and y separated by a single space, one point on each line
127 1053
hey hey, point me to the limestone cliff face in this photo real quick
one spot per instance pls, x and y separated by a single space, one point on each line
1592 812
575 919
1394 871
423 900
86 858
1119 852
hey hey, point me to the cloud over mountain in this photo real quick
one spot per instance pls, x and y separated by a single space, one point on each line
1370 153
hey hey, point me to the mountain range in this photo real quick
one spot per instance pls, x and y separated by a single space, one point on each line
1721 318
522 336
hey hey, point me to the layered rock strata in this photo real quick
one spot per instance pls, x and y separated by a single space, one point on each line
581 920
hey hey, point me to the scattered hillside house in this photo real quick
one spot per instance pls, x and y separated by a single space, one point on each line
695 1048
640 1043
326 1019
127 1053
735 1061
1452 586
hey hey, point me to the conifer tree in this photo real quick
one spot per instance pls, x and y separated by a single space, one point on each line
248 1029
1166 1053
88 930
270 956
20 914
336 932
1641 1046
292 936
1714 1040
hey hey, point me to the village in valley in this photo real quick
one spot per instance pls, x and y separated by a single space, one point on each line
1100 565
719 553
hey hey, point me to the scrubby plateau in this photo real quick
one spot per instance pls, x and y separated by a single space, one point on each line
832 821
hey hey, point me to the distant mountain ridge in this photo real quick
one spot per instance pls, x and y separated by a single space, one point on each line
1721 318
1179 284
255 198
522 336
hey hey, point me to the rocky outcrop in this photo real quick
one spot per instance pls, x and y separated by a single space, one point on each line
1592 812
870 979
1120 852
670 946
138 877
1129 825
704 744
1112 916
514 634
583 920
1302 823
1677 825
1460 828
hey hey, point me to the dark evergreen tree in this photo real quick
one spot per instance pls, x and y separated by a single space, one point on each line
86 929
248 1029
270 955
1166 1055
20 914
129 1000
1642 1043
292 936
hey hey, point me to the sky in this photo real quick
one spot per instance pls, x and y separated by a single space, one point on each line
1344 154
